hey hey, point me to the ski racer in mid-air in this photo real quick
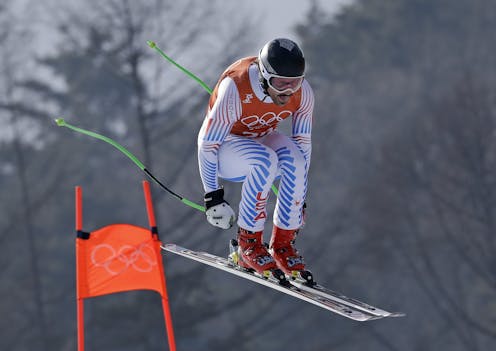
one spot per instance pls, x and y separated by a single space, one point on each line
239 141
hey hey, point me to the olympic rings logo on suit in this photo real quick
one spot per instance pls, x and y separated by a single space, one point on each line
267 119
141 258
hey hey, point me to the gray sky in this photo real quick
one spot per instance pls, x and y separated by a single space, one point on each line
277 17
280 15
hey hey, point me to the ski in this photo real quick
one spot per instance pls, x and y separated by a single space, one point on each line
304 281
340 305
338 297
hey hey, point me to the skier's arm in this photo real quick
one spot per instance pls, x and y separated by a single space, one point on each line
216 127
302 122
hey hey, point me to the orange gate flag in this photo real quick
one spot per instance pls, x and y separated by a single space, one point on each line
118 257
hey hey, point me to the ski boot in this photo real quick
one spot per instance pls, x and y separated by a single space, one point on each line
287 257
250 253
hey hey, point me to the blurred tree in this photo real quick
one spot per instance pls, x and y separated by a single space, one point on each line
21 193
103 77
441 173
400 197
408 167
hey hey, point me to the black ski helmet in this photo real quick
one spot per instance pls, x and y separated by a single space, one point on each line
280 57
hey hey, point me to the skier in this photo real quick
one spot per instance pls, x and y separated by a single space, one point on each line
239 141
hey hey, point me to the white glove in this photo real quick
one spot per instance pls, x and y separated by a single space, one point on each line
221 215
218 212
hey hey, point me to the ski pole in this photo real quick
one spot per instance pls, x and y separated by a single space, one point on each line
153 45
62 123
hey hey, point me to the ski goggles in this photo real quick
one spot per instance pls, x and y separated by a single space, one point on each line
281 84
285 85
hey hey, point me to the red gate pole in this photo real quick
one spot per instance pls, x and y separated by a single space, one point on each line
165 298
80 302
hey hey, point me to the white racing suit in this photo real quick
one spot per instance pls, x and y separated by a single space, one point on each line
239 142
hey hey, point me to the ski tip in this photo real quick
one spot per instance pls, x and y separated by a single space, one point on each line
151 44
60 122
397 314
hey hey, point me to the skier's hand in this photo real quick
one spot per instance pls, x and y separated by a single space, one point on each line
218 212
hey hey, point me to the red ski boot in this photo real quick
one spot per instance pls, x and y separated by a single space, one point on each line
286 256
254 256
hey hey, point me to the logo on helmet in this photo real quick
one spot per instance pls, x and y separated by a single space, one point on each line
287 44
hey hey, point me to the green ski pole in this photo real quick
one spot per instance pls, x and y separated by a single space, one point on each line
153 45
62 123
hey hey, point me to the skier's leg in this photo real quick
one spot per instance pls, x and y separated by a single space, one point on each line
246 160
292 167
288 215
